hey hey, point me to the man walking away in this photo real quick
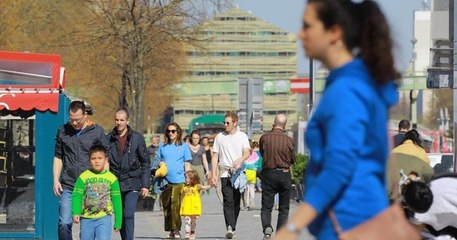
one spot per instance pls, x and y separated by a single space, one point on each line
403 128
277 150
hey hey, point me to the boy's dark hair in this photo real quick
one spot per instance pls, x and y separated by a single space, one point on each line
417 196
97 148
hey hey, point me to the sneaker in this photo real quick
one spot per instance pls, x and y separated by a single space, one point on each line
229 234
192 235
267 233
187 235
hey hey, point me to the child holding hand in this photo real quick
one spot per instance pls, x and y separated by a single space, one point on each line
191 205
96 197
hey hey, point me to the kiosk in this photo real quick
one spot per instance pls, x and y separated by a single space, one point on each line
32 108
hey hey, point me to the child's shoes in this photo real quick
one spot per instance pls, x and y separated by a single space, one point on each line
192 235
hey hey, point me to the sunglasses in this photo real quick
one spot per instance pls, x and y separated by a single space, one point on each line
226 123
172 131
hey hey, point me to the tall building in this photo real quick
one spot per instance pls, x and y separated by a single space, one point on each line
238 45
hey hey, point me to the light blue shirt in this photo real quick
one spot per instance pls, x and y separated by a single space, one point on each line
174 157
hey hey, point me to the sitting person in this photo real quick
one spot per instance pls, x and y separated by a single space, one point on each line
434 206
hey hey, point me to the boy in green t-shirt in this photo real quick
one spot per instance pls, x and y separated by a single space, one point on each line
96 196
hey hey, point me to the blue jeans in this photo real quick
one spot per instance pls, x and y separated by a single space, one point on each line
96 228
129 200
65 219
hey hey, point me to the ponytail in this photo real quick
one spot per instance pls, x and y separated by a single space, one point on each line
366 33
376 43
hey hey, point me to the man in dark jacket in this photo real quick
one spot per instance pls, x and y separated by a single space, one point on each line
403 128
73 142
129 161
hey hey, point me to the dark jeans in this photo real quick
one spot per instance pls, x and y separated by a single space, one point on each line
171 203
275 181
231 202
129 201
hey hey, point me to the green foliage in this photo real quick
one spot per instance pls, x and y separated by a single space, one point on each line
299 167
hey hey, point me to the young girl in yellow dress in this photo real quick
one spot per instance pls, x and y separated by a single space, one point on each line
191 204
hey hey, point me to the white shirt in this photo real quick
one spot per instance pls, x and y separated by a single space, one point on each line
230 148
443 211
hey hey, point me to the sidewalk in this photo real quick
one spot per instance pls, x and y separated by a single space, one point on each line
149 224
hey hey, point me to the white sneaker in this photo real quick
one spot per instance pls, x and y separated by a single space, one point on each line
229 234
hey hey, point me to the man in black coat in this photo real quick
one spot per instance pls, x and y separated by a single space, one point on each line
129 161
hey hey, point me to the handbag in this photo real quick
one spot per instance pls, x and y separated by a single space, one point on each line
389 224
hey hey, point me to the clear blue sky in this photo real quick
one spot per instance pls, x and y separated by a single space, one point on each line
287 14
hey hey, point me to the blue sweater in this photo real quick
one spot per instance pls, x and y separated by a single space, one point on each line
348 140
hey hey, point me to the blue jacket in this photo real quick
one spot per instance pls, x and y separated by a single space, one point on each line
348 141
238 179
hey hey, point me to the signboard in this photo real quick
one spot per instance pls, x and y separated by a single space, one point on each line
250 105
299 85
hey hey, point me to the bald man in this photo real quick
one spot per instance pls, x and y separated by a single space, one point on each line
277 150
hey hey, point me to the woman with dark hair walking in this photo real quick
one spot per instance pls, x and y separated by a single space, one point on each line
347 133
176 156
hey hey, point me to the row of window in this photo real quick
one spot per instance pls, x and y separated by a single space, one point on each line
258 33
218 73
235 18
200 112
237 54
263 40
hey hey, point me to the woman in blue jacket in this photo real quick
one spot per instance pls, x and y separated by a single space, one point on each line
347 134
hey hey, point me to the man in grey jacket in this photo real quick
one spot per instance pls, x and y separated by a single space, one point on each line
129 161
73 142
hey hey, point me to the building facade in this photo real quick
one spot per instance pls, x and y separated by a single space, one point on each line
237 45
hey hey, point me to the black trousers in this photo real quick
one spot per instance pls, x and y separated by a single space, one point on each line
231 202
275 181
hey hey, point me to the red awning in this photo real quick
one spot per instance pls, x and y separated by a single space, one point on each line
29 101
30 81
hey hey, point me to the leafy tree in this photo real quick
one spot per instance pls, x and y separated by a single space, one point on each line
118 53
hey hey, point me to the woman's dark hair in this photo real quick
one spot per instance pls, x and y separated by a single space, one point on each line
178 140
414 136
417 196
365 29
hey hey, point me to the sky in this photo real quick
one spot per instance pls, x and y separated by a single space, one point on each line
287 14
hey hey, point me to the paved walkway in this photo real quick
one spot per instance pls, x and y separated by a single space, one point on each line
149 224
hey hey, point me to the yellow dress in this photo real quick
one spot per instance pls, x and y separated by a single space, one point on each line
191 204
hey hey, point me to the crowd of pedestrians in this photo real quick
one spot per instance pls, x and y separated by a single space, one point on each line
97 176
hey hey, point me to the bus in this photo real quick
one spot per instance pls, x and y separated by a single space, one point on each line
208 125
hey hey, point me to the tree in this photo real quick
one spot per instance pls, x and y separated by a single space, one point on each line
117 52
142 38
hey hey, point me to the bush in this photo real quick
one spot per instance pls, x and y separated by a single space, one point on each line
298 168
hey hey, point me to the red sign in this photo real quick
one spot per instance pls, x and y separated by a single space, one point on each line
299 85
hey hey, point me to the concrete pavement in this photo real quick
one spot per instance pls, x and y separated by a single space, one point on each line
149 224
